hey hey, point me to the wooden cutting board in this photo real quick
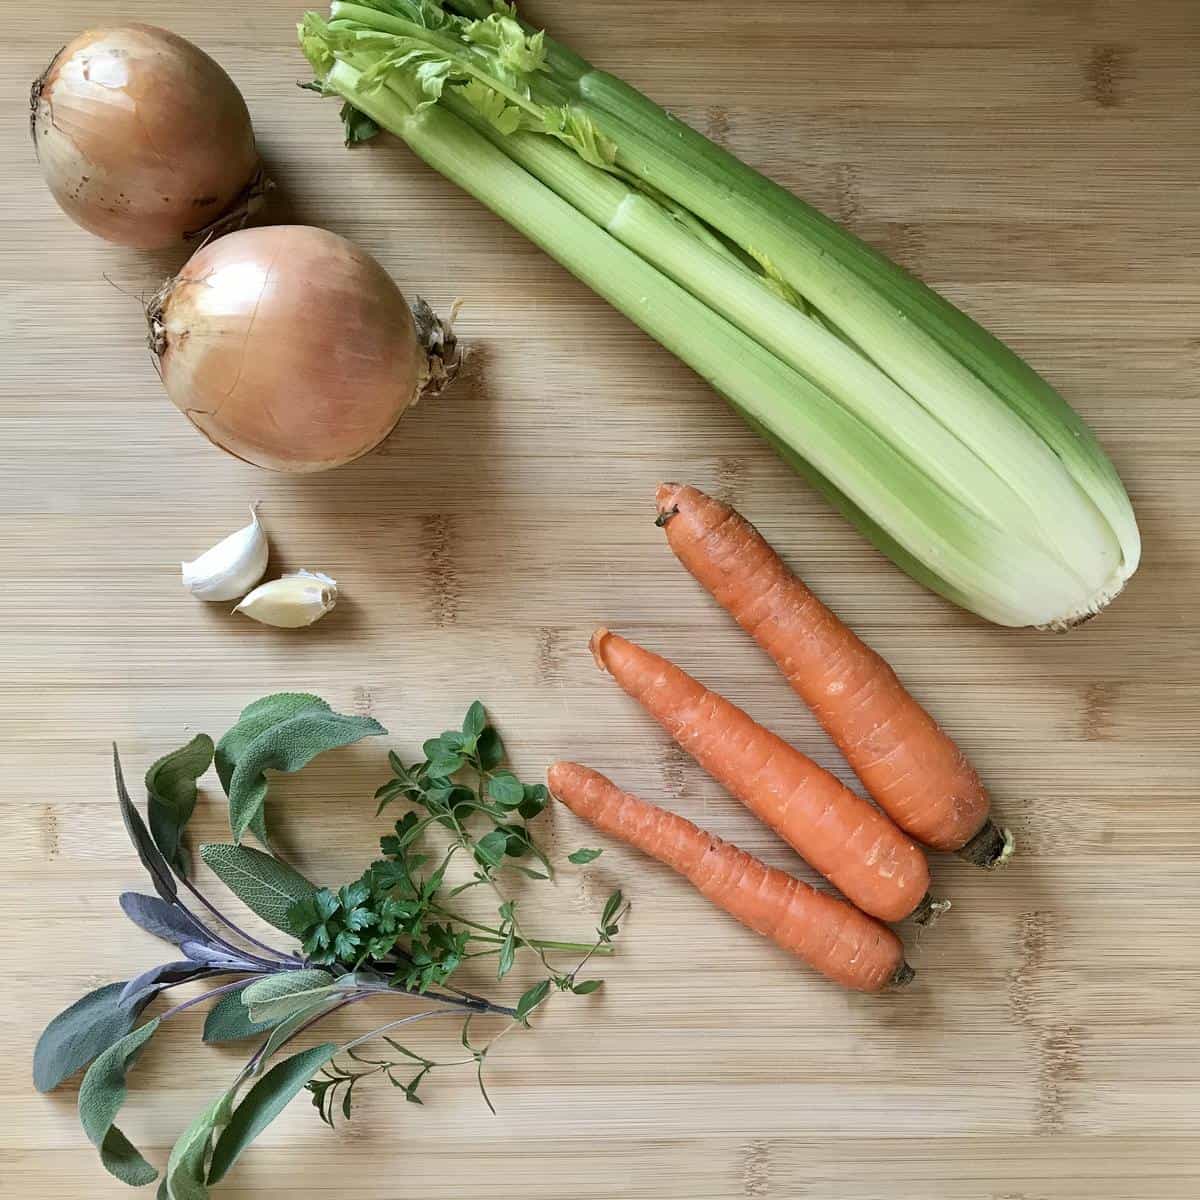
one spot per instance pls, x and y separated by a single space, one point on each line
1040 163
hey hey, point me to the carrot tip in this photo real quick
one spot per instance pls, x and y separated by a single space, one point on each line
990 848
597 640
666 494
926 913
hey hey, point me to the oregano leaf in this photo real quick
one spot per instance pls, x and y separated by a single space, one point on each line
583 856
532 998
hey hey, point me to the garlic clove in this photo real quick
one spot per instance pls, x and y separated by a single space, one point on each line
292 601
232 567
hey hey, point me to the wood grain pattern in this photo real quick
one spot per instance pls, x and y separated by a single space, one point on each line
1040 162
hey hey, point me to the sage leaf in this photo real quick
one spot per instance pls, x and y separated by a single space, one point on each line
101 1096
278 996
283 732
171 792
264 885
167 921
81 1032
289 1025
257 719
263 1103
188 1163
229 1020
143 843
217 957
150 983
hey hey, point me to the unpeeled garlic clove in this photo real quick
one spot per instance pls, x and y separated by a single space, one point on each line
291 602
232 567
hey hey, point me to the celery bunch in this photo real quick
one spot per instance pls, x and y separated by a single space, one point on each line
947 450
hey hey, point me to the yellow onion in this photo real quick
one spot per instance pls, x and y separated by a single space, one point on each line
293 349
143 139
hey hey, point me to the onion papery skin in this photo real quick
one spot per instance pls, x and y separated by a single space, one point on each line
288 346
143 139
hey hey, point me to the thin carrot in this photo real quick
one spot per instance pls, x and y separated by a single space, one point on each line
907 763
834 937
853 844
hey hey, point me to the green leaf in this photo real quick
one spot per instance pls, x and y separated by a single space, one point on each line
575 128
255 720
287 1027
535 800
490 749
586 987
187 1165
150 855
278 996
532 998
502 116
171 789
283 733
229 1020
581 857
611 906
87 1028
357 125
265 885
516 51
101 1096
508 954
475 721
263 1103
506 790
491 847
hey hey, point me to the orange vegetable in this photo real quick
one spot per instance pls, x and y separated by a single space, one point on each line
834 937
853 844
912 769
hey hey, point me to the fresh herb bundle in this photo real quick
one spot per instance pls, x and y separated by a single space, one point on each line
393 932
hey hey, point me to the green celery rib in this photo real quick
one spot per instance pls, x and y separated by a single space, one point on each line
966 557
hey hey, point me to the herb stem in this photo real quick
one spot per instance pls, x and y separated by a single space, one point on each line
467 1000
421 1016
216 912
209 995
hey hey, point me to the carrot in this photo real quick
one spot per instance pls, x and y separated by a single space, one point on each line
834 937
911 768
850 842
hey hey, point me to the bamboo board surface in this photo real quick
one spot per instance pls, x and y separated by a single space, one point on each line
1038 162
